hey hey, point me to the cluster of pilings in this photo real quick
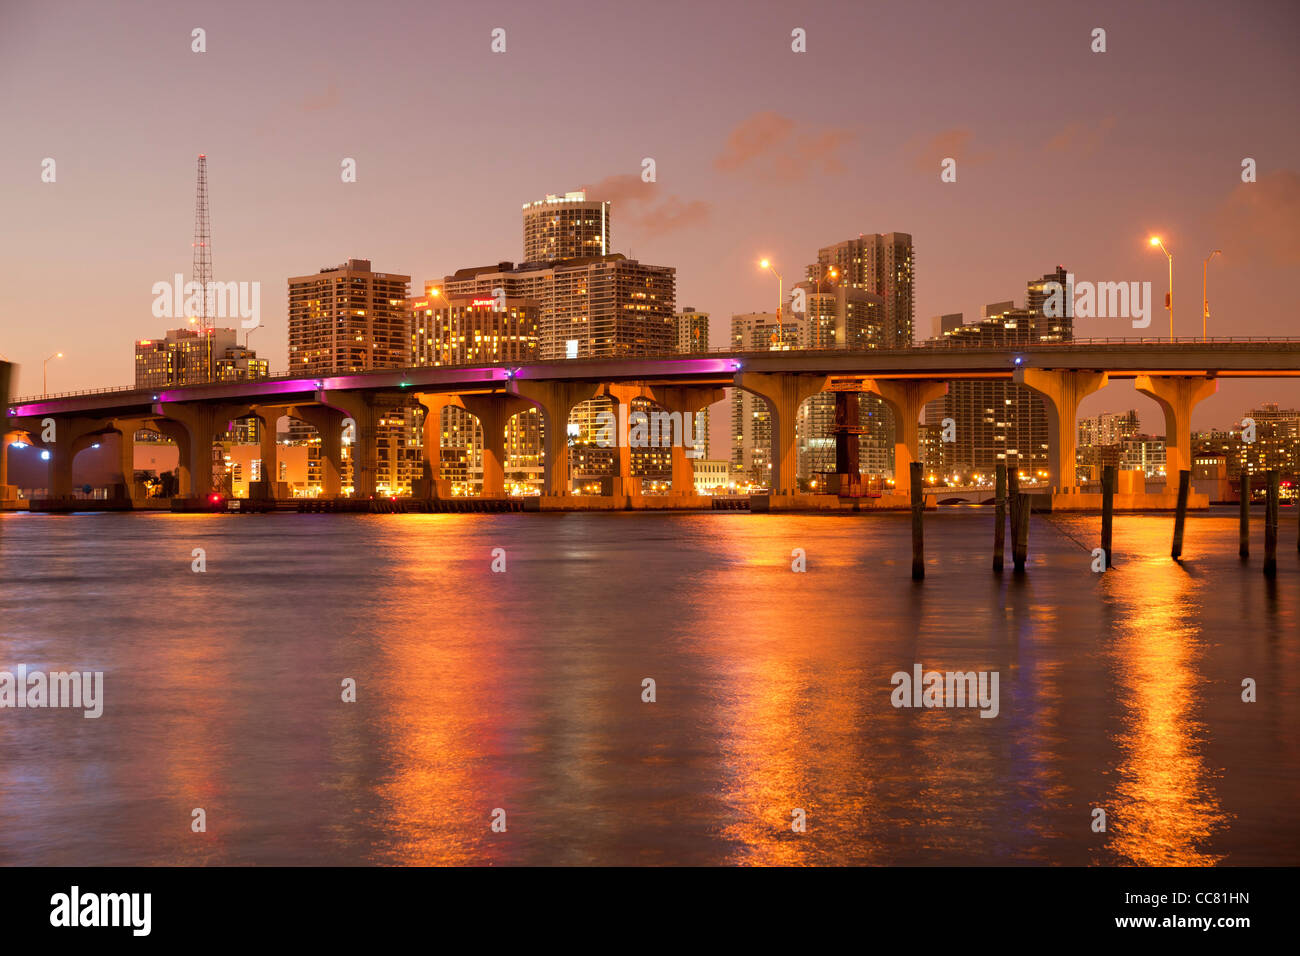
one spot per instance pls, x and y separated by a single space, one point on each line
1010 497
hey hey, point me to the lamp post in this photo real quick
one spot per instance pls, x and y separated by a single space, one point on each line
1155 241
1205 295
780 288
45 377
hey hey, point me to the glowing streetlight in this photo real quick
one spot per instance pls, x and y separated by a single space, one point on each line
1205 295
780 287
45 384
1169 300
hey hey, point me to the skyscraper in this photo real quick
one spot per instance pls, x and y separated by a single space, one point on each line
883 264
565 227
691 334
348 318
998 421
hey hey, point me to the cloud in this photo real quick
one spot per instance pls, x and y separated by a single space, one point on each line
1260 221
645 208
774 147
1080 137
925 155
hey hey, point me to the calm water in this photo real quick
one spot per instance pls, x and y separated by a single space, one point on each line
522 690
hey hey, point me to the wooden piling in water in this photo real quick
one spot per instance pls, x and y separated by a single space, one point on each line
1107 510
1180 516
1013 499
1270 524
1243 534
1020 550
1000 520
918 533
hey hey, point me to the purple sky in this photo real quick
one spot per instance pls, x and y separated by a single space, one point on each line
1064 155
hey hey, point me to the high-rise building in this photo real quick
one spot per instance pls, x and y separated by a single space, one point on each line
192 357
566 227
461 330
691 331
349 318
607 305
997 421
691 334
883 264
1276 442
591 302
197 357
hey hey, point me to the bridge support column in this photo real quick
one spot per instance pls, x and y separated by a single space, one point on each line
784 392
1176 396
359 407
200 424
686 402
7 492
126 455
1061 393
906 398
556 400
494 413
270 466
434 403
621 395
328 423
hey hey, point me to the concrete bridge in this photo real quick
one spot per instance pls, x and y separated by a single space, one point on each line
1177 375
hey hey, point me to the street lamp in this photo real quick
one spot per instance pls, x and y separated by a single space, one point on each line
45 386
1205 295
1155 241
780 288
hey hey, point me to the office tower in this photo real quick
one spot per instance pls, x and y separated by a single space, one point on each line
565 227
691 335
194 357
604 306
1058 328
1276 444
349 318
997 421
463 330
1100 442
941 325
690 331
191 357
883 264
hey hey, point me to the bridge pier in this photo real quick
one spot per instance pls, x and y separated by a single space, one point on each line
686 402
556 400
358 406
784 392
434 403
1061 393
623 394
328 423
199 425
906 398
494 413
1176 396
